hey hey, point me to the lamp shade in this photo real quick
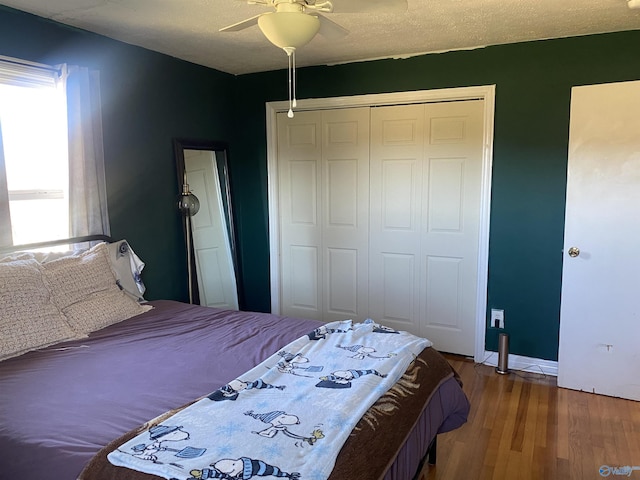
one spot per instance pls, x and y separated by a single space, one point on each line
188 203
289 29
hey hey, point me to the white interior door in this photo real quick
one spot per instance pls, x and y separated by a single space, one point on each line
214 265
600 311
426 178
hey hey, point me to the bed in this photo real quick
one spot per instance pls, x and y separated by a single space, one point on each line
95 382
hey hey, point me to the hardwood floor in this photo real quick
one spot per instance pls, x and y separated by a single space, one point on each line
522 426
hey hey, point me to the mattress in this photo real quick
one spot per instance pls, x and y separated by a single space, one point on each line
60 406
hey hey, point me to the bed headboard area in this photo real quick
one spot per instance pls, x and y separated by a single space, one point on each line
47 297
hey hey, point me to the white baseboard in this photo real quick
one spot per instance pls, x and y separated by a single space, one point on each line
525 364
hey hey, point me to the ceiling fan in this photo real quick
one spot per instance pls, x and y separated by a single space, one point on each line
294 23
289 16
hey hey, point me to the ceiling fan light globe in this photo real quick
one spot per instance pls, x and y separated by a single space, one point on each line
289 29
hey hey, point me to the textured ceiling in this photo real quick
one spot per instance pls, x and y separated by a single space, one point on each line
188 29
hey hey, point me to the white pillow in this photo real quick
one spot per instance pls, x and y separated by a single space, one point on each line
12 257
83 286
39 256
28 318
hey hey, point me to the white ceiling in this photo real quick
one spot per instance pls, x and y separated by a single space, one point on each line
188 29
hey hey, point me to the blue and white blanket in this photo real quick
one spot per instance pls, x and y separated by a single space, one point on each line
287 417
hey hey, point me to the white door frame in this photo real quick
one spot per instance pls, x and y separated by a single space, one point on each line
486 93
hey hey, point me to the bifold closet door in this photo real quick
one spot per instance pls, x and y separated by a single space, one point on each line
323 185
426 176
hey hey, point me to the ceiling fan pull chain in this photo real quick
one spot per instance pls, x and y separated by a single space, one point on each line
291 54
295 102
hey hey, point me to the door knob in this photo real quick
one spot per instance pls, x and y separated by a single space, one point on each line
574 252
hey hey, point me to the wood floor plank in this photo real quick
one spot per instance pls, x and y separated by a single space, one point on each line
522 426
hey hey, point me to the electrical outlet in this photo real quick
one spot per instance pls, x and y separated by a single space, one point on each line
497 318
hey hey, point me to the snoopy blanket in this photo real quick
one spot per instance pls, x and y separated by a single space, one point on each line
288 417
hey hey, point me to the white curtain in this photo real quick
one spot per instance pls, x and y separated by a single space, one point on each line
87 187
6 237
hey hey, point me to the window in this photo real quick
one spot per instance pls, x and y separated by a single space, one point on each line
34 176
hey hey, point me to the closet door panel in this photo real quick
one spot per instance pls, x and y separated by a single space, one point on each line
398 288
397 137
445 194
323 165
398 196
304 276
443 277
425 202
302 181
450 224
345 200
342 217
342 193
299 181
342 284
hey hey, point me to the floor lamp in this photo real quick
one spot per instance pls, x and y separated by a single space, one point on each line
188 204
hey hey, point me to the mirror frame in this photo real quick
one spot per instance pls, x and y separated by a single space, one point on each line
179 146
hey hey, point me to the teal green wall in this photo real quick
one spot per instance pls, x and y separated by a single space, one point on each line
148 99
533 87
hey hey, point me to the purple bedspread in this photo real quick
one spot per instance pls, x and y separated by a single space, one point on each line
59 406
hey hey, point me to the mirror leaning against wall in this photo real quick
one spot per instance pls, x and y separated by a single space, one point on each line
209 234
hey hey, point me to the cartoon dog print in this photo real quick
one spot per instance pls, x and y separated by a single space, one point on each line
361 352
279 421
242 468
343 378
380 328
322 332
290 362
232 390
160 434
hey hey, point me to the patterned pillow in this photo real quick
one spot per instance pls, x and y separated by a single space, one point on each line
28 318
83 287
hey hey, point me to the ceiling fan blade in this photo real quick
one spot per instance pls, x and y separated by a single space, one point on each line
249 22
369 6
319 5
330 29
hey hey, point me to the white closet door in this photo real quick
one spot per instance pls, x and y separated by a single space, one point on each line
299 169
397 144
323 200
426 175
345 200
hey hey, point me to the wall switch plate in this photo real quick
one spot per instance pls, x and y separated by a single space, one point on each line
497 318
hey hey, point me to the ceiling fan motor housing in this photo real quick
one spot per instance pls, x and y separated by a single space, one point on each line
289 29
